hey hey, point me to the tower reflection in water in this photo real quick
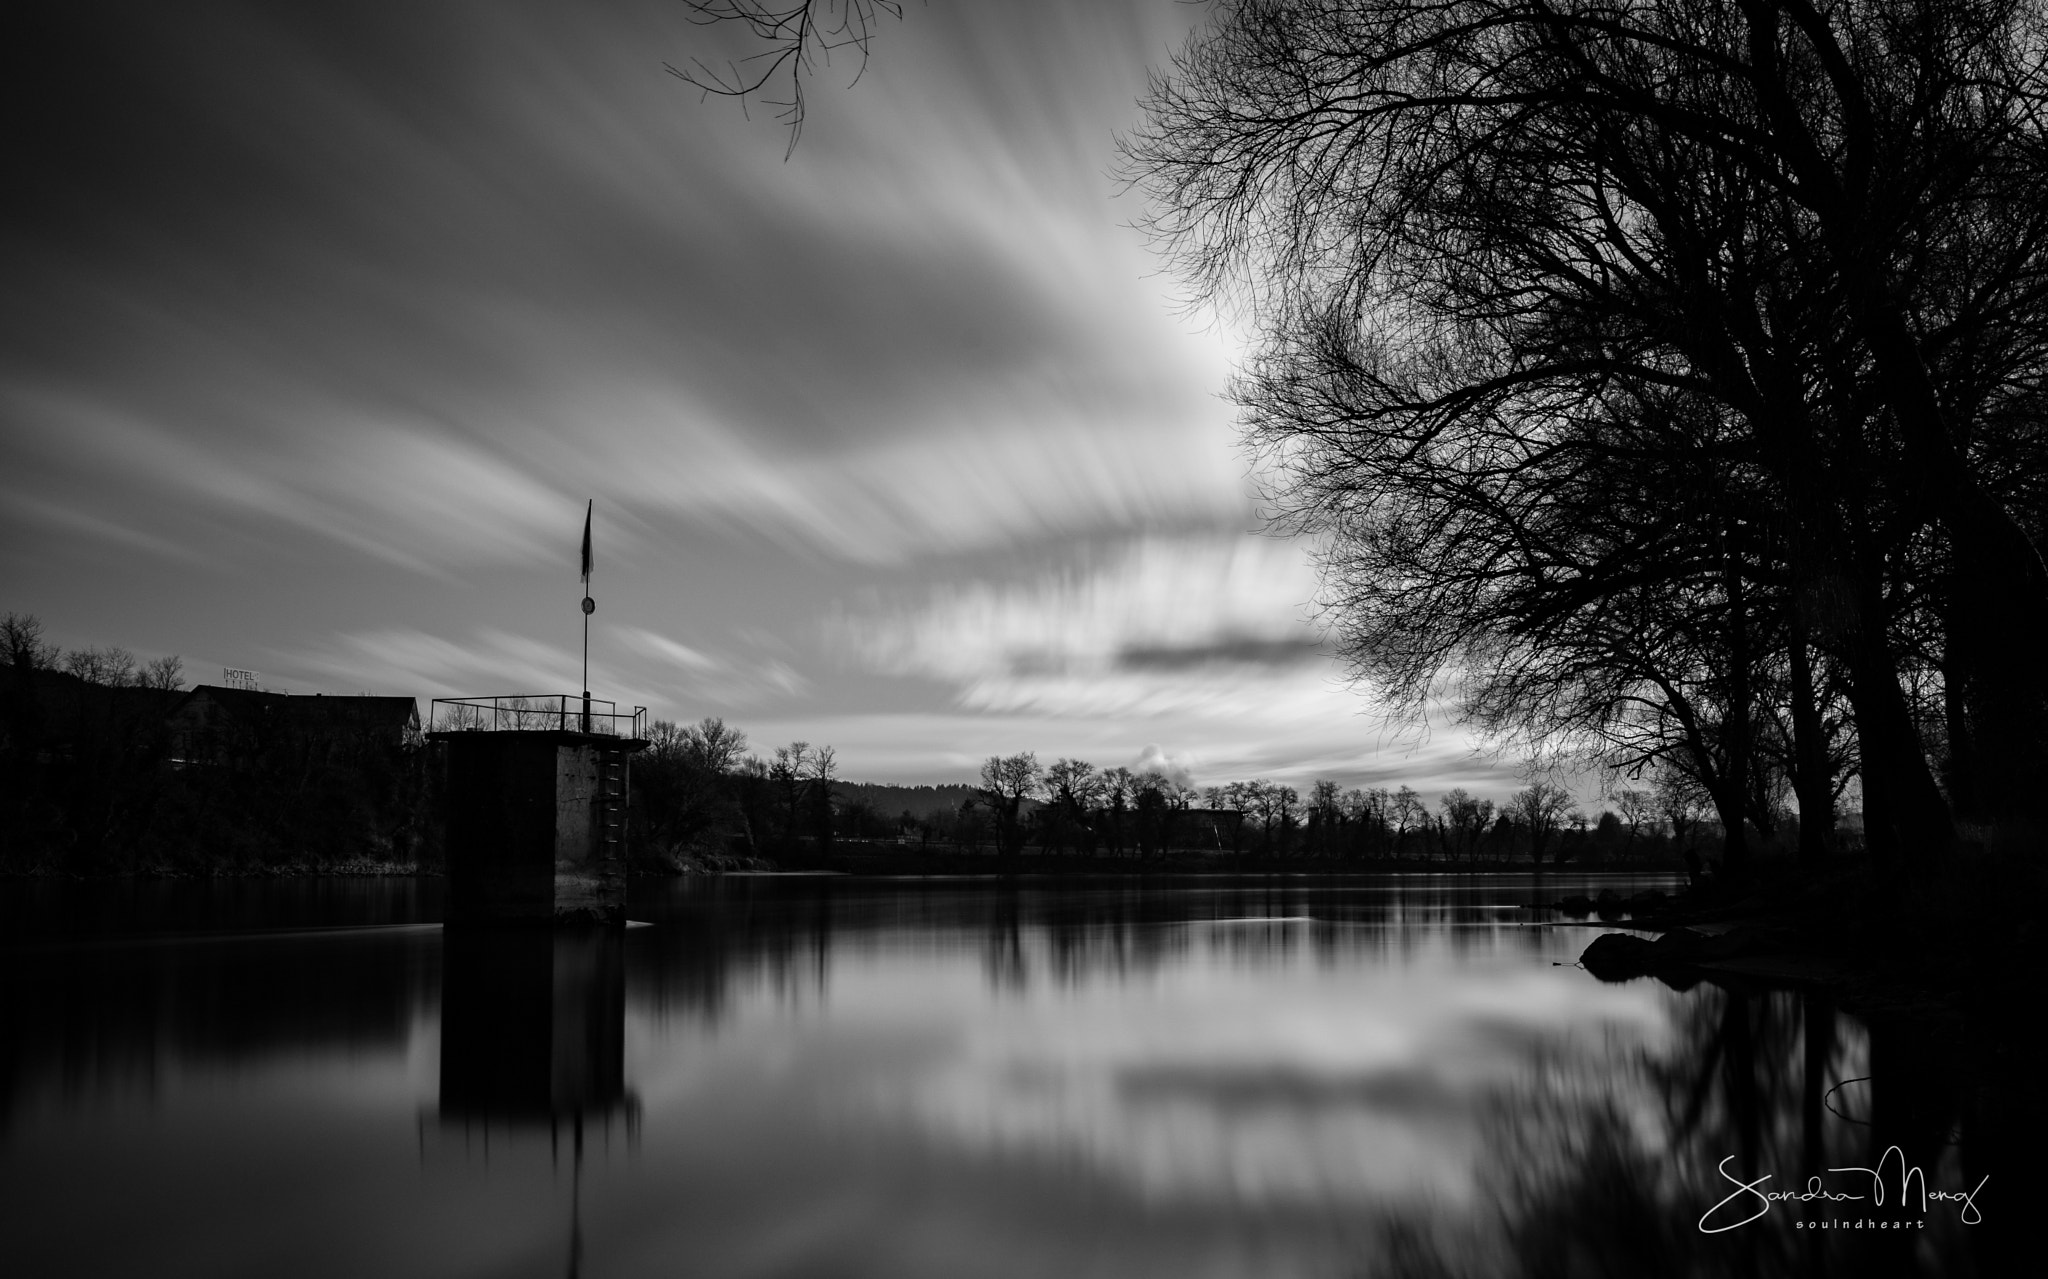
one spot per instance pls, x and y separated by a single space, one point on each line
533 1027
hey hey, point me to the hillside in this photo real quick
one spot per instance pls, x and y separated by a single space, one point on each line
893 800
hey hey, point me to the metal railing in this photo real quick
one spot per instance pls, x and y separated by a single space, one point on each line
536 713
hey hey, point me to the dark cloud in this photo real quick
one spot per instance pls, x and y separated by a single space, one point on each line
1243 650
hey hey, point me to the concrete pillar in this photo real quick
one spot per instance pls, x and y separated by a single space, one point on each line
536 827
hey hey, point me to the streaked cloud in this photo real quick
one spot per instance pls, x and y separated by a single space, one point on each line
1209 628
656 669
411 308
415 499
1147 609
987 475
681 674
323 323
1194 654
488 662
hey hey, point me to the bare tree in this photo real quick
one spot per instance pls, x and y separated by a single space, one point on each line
525 714
1465 819
111 666
1006 782
22 641
818 777
1326 816
1478 237
165 674
797 36
1367 810
1407 813
696 789
1155 800
1072 789
1541 808
1636 806
1115 790
786 774
459 717
711 745
1680 803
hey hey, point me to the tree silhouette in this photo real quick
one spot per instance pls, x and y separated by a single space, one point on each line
1006 782
1540 809
1767 279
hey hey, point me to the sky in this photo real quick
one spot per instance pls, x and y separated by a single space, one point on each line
323 322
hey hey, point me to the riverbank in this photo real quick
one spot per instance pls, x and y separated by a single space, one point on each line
910 861
893 863
1967 939
353 868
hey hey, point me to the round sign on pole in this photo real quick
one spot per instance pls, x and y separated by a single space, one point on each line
589 605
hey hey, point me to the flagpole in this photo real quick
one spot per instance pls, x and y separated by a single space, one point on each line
589 607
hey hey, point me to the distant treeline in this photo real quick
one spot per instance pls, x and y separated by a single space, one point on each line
94 783
90 782
699 795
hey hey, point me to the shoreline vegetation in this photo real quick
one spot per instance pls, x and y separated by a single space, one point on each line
108 767
96 789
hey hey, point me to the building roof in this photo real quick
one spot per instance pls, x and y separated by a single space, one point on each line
243 703
315 711
364 712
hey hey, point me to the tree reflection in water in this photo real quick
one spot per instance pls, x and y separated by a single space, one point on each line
1600 1171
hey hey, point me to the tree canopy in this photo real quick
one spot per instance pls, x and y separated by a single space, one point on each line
1659 375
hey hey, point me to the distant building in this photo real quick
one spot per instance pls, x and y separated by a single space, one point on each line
213 724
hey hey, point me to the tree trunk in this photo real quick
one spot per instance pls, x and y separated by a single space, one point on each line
1906 822
1735 718
1960 768
1999 598
1812 779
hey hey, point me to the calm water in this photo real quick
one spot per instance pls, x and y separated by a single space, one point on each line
814 1076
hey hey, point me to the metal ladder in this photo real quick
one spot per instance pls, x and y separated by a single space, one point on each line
611 801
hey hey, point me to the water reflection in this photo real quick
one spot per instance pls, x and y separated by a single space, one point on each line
533 1026
1212 1077
1063 932
123 1015
533 1038
1638 1165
